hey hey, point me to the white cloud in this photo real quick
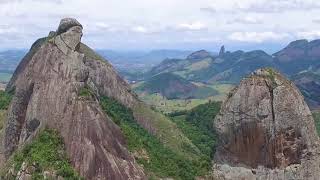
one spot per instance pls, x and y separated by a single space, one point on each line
280 6
246 20
144 22
6 29
257 36
195 26
308 34
140 29
102 25
261 6
317 21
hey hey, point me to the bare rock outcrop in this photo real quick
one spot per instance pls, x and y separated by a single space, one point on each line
266 131
47 84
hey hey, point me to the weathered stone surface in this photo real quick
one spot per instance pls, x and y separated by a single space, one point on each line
68 35
47 84
266 131
66 24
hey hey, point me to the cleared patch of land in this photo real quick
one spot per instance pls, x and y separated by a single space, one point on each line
200 65
165 105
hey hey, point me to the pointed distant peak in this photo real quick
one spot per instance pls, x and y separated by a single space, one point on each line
66 24
199 55
222 51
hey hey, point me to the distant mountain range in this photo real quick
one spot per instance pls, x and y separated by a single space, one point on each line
300 61
131 61
10 59
230 67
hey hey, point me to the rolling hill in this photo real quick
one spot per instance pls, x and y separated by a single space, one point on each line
173 86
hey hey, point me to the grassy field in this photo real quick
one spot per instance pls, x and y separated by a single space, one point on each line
200 65
5 77
165 105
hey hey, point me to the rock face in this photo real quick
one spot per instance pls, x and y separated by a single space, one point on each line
47 84
266 131
222 51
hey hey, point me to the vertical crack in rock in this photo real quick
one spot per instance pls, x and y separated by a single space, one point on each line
272 140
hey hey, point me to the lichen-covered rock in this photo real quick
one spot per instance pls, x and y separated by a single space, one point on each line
47 86
266 131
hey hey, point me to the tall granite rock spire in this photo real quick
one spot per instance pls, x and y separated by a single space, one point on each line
47 84
266 131
222 51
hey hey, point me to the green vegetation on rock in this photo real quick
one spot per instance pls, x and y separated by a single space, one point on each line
316 117
271 75
156 158
45 153
90 53
3 115
86 92
5 99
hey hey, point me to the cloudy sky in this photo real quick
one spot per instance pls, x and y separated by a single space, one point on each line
164 24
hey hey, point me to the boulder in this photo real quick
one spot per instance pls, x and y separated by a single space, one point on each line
66 24
266 131
47 85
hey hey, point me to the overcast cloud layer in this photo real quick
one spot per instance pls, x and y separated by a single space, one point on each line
165 24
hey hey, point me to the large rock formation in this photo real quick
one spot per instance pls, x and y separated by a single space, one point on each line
266 131
222 51
47 84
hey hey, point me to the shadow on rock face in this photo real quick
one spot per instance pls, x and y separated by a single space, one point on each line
250 144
